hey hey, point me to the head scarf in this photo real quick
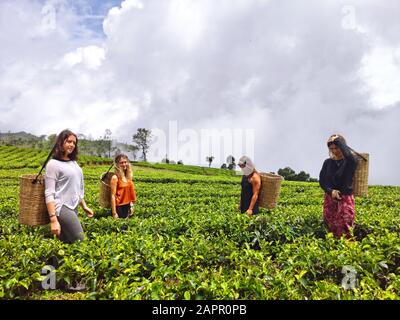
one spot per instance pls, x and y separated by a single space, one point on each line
249 167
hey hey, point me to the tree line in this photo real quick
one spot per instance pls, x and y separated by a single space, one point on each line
105 146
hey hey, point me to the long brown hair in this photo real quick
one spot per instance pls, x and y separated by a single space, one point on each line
59 149
119 171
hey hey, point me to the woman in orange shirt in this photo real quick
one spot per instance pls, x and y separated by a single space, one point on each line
123 194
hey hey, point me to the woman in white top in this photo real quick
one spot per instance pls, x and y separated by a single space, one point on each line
65 189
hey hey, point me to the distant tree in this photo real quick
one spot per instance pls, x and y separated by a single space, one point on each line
41 143
134 150
303 176
143 139
107 138
81 136
180 162
230 160
288 173
86 146
117 151
223 166
165 160
100 147
209 160
51 140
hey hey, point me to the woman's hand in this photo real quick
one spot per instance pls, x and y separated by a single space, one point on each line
55 227
249 212
336 138
336 195
85 208
115 215
88 211
333 138
131 209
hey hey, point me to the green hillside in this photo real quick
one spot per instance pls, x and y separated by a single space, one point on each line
13 157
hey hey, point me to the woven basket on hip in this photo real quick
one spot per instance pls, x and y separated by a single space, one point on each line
270 190
105 189
360 179
32 205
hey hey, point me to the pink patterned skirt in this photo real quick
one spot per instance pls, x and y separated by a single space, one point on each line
339 215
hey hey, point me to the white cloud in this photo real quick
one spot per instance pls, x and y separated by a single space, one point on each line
91 57
111 22
292 73
381 72
186 21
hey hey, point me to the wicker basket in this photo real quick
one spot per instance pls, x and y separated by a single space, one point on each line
270 190
360 179
32 205
105 189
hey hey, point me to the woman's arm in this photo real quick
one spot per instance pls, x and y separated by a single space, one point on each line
347 154
256 183
324 184
322 178
49 194
85 208
54 224
113 185
83 205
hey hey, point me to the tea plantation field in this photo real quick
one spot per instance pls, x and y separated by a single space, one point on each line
187 240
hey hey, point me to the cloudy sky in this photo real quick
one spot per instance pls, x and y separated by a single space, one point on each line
270 78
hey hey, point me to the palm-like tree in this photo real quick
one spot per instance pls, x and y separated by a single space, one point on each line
209 160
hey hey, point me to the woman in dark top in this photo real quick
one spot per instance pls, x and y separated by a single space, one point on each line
336 179
251 183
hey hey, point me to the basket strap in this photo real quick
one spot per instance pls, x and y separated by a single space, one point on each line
44 164
362 157
112 165
107 171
